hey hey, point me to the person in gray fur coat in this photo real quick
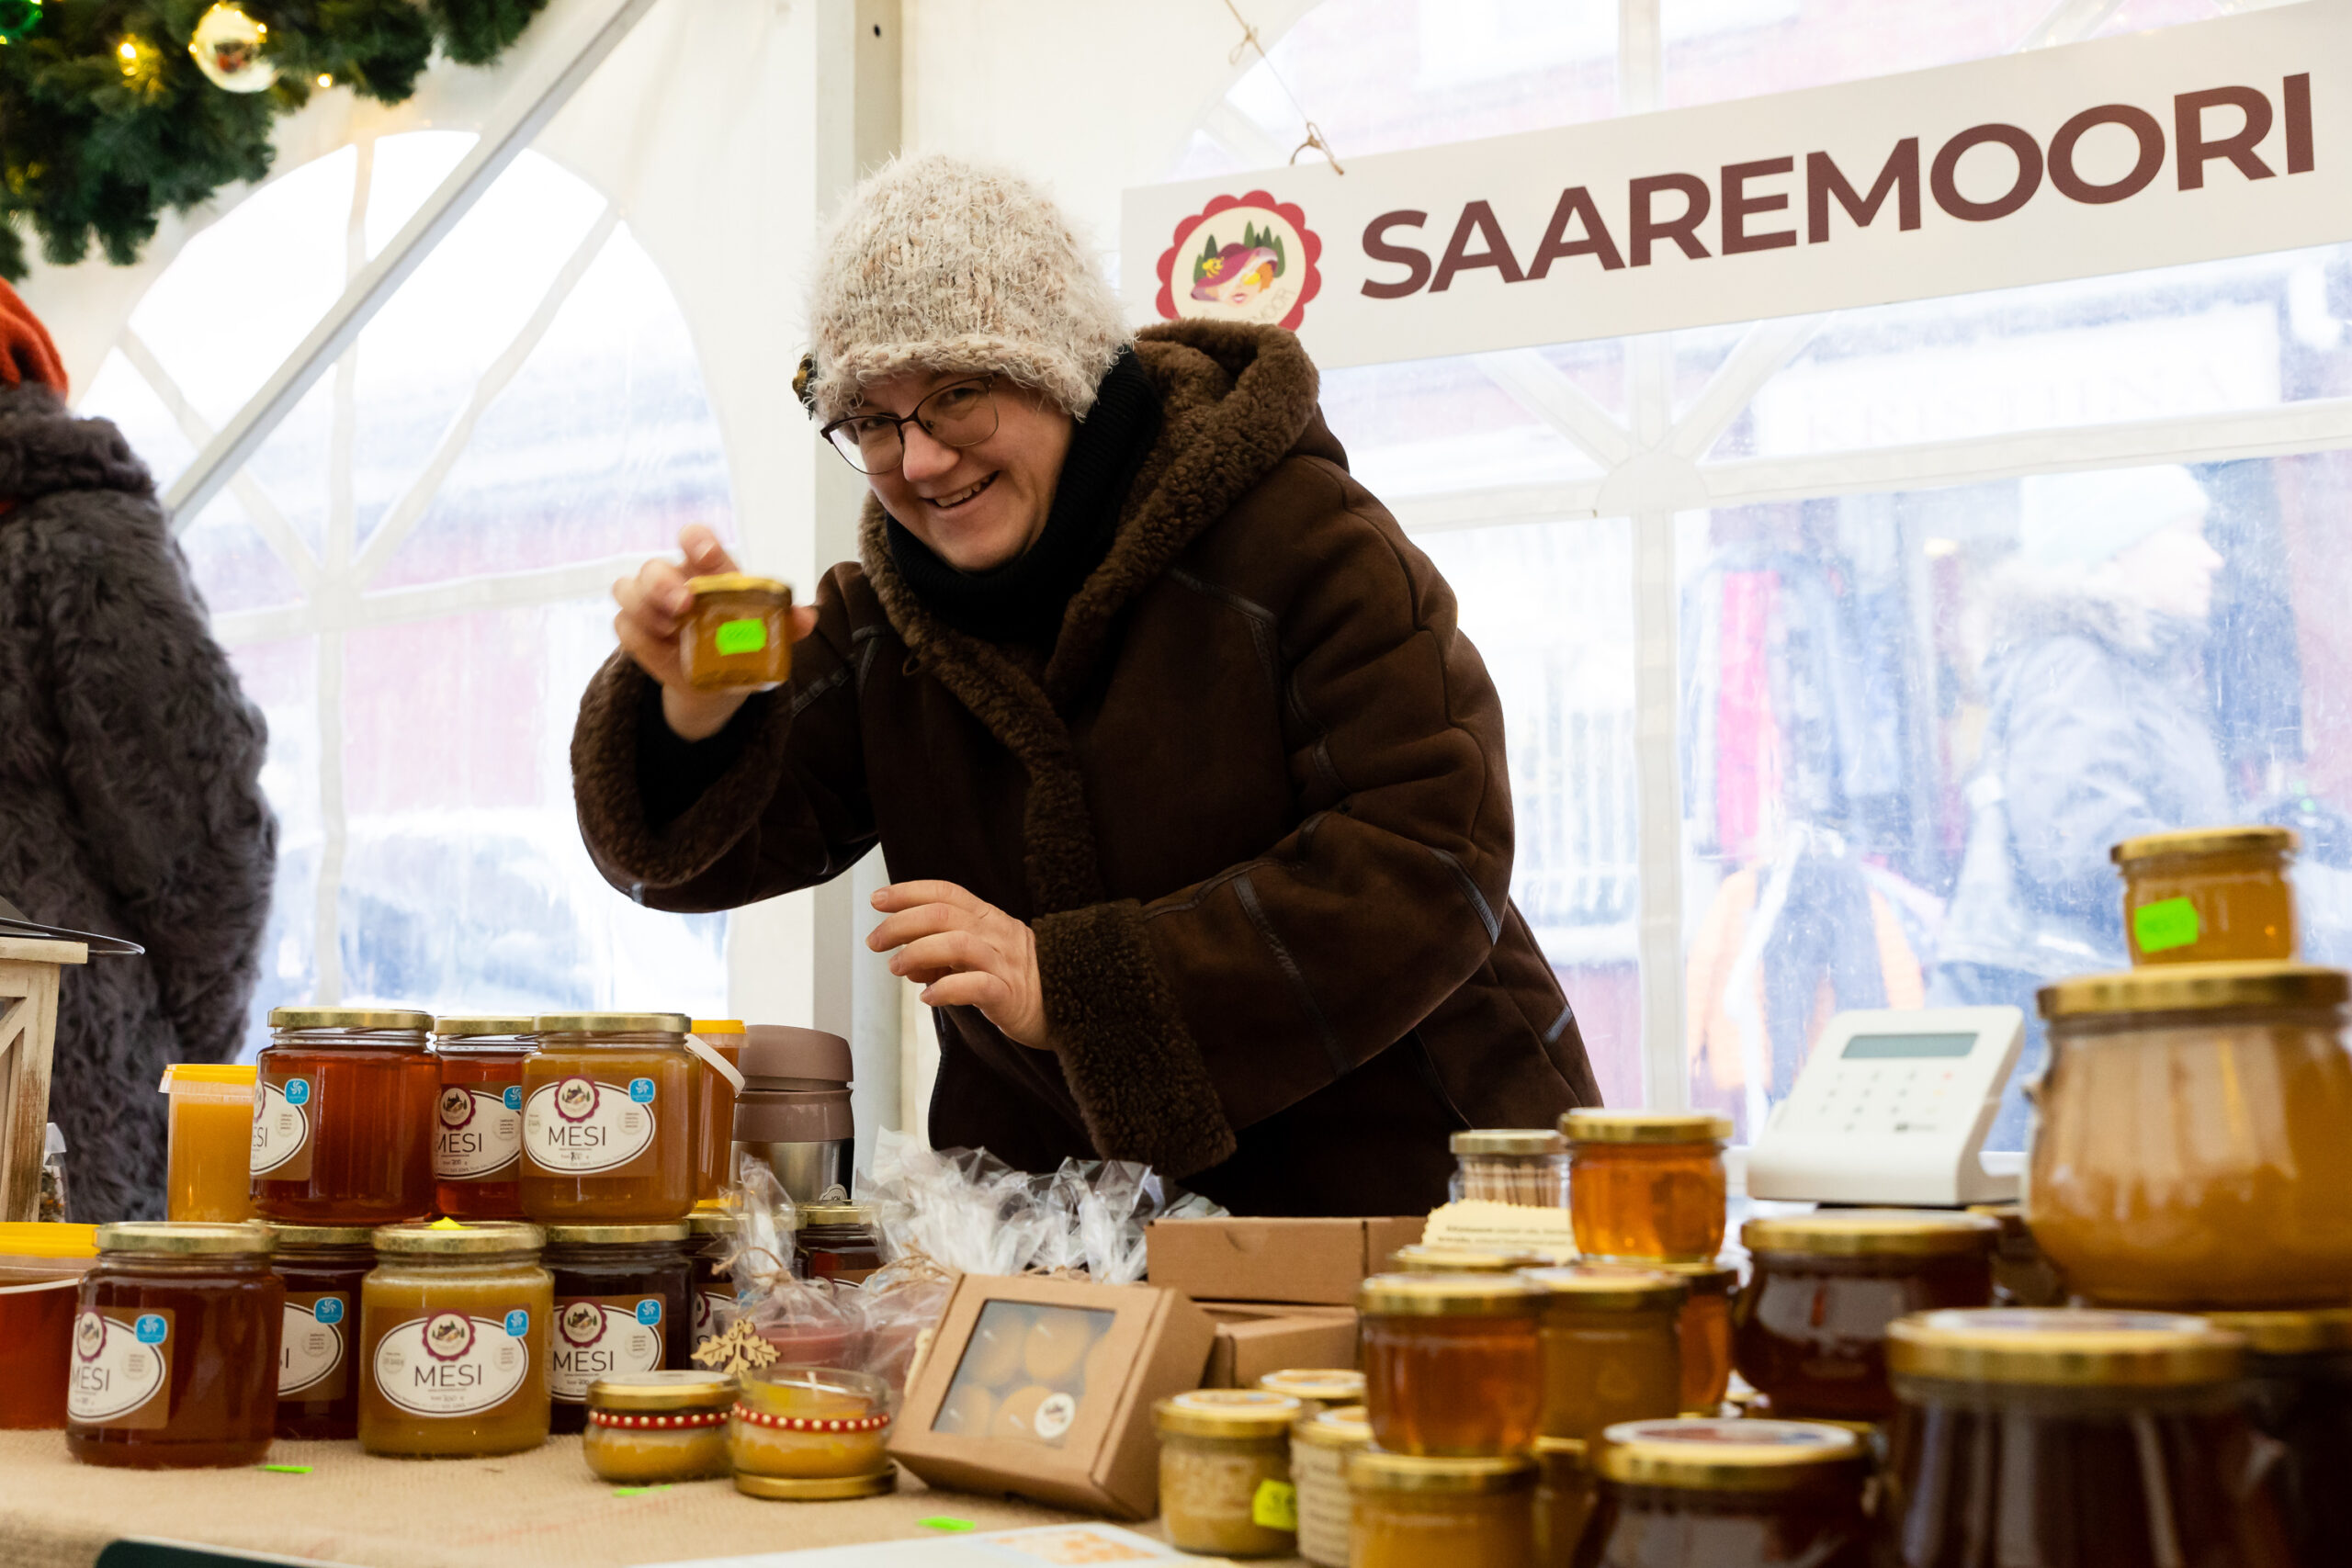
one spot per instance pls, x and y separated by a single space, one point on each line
130 764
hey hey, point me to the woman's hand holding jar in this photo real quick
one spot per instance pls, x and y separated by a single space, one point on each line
653 605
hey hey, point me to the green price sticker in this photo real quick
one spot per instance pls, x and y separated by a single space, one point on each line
747 636
2163 925
1276 1507
946 1525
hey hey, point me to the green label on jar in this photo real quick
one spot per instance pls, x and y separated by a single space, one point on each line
2163 925
747 636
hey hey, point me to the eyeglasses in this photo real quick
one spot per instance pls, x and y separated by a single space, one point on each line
962 413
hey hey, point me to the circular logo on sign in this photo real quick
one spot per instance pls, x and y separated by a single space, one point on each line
1241 258
89 1336
581 1323
457 1107
1055 1416
447 1336
575 1099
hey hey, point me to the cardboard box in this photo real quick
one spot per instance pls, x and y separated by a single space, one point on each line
1044 1388
1310 1261
1255 1338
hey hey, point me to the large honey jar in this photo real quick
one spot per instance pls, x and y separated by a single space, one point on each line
1728 1493
344 1117
1647 1185
2075 1440
317 1371
2208 895
624 1302
453 1341
2193 1144
1417 1512
2299 1382
1453 1363
174 1357
477 1130
1612 1349
608 1120
1810 1330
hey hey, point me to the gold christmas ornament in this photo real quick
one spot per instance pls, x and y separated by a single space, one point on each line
227 48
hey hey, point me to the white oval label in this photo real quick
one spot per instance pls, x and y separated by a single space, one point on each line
577 1126
476 1135
282 1126
451 1364
1054 1417
595 1337
311 1347
116 1366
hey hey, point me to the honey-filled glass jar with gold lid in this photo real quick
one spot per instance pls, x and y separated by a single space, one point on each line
1647 1185
738 634
478 1130
2193 1138
1705 1492
344 1117
1453 1363
453 1341
2208 895
1611 1347
1703 1328
1225 1471
608 1119
1415 1512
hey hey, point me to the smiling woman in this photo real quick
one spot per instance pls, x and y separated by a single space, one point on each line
1192 792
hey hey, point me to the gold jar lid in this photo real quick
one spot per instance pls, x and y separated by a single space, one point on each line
401 1018
664 1391
439 1239
822 1489
1709 1454
618 1235
834 1213
1715 1278
2062 1347
1872 1233
1226 1413
712 1222
184 1238
321 1236
2205 841
2302 1333
1377 1470
1417 1258
459 1027
1329 1385
1341 1427
613 1023
1509 1141
1622 1289
1645 1127
1449 1295
734 583
2189 987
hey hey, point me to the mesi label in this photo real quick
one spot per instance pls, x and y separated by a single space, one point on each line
579 1127
122 1364
449 1363
478 1134
285 1109
748 635
598 1335
314 1350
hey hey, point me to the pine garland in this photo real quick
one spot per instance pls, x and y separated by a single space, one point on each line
106 121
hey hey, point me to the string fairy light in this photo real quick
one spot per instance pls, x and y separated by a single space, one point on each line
1250 41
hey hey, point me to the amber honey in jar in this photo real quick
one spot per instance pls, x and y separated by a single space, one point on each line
2223 1183
477 1131
344 1117
1647 1185
2208 895
1413 1512
2299 1382
453 1341
1704 1493
738 634
717 1045
623 1303
657 1428
1453 1363
608 1120
1225 1476
1320 1444
836 1241
1611 1347
208 1175
1810 1330
1524 1166
318 1373
1703 1328
2113 1438
174 1360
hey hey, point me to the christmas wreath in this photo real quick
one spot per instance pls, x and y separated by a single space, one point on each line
113 110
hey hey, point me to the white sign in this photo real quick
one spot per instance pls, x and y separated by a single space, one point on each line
2218 139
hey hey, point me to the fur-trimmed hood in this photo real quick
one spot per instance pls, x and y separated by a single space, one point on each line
44 450
2032 606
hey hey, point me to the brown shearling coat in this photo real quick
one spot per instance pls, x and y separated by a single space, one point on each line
1255 809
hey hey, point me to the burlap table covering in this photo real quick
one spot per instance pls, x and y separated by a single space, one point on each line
536 1510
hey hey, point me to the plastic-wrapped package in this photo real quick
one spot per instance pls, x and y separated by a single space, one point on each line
808 1323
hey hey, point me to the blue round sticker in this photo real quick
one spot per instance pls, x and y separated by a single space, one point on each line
150 1328
518 1324
649 1313
514 1097
298 1092
327 1309
641 1090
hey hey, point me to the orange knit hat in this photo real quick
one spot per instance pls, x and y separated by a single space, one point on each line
26 351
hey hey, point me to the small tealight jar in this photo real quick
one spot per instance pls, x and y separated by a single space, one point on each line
1524 1166
651 1428
1413 1512
1452 1365
811 1434
1224 1482
1647 1185
1317 1388
1319 1448
738 634
1611 1350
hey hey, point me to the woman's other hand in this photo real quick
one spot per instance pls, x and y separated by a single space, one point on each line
653 603
963 953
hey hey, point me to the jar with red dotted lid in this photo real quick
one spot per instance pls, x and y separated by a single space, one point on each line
649 1428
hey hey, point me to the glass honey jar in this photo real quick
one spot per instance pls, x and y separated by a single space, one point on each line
657 1428
1611 1349
623 1303
608 1120
717 1076
344 1117
714 1239
477 1131
1225 1474
1704 1493
836 1241
208 1175
1415 1511
1320 1444
318 1376
453 1341
738 634
1453 1363
2208 895
175 1361
1703 1328
2223 1184
1524 1166
1647 1185
2105 1439
1810 1330
2299 1383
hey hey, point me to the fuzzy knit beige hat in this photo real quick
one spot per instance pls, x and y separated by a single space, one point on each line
939 265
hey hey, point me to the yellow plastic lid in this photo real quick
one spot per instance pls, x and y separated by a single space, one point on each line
33 1239
718 1026
244 1073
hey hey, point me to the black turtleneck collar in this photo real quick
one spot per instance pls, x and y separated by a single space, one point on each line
1022 602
